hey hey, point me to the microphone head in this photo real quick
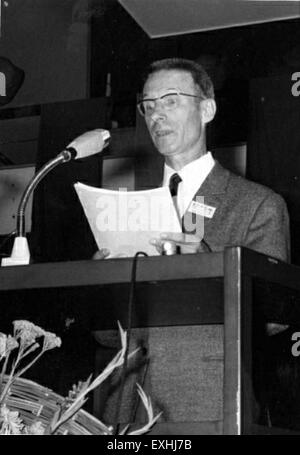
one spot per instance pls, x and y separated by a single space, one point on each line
89 143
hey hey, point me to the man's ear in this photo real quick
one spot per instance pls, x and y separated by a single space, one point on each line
208 110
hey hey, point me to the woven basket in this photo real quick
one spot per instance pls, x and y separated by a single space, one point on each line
37 403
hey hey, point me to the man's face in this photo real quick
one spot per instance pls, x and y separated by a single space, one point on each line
178 133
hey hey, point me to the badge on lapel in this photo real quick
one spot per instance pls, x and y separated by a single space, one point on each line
199 208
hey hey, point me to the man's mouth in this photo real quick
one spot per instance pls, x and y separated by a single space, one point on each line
162 133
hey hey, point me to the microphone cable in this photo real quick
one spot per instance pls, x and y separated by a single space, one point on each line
206 245
128 335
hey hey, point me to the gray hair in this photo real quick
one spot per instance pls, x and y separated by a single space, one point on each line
198 73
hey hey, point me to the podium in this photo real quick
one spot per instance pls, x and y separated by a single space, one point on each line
182 303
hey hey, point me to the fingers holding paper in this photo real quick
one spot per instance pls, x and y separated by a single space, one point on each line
103 253
188 243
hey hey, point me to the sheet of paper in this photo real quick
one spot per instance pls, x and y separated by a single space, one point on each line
124 221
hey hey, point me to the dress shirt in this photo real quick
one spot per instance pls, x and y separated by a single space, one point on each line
192 176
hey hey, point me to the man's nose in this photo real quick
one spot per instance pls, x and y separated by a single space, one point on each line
159 112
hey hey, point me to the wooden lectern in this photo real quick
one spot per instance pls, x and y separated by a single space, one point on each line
201 318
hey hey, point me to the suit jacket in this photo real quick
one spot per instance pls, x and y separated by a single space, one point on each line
246 214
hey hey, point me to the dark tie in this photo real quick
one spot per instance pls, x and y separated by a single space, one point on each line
173 184
173 187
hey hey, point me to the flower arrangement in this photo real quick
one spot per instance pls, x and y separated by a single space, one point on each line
26 408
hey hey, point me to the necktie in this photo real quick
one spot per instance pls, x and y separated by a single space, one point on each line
174 181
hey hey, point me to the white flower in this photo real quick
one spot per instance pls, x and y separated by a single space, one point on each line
27 332
21 325
3 339
11 343
7 344
51 341
36 428
10 423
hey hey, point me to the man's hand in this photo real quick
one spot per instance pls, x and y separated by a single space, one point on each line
188 243
101 254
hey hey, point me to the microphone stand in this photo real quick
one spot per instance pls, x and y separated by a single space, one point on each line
20 253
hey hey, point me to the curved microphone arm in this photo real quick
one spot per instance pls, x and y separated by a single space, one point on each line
63 157
87 144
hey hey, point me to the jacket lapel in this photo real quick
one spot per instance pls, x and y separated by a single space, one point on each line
215 183
212 193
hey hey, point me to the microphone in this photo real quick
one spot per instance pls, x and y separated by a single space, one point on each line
87 144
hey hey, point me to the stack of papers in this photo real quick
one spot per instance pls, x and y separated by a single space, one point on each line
124 221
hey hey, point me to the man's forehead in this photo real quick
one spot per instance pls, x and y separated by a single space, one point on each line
165 80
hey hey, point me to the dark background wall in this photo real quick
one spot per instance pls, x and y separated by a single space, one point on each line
46 39
233 57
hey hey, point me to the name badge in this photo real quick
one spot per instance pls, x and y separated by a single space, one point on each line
202 209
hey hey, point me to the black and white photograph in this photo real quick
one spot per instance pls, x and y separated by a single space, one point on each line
149 220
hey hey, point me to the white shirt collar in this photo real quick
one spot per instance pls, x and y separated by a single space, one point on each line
192 175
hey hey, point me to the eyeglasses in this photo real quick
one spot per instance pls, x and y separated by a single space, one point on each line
169 101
